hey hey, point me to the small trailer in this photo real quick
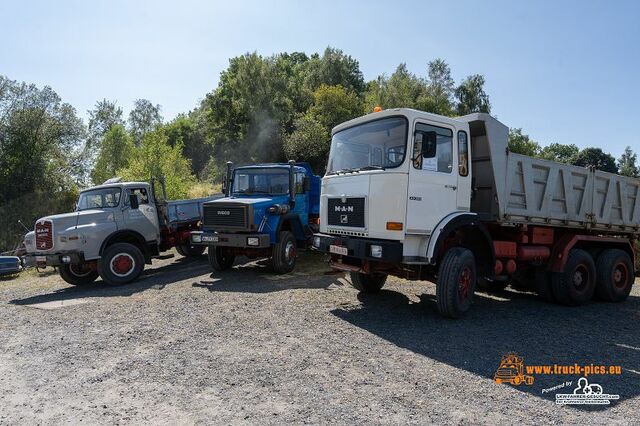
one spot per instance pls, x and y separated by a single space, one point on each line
422 196
117 228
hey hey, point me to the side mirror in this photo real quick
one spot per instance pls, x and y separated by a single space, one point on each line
224 185
306 184
133 201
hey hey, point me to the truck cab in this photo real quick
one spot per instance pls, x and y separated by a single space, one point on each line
392 177
269 210
115 230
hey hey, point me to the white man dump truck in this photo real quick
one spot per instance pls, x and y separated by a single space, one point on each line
427 197
117 228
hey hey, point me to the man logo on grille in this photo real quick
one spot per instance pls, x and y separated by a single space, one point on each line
344 218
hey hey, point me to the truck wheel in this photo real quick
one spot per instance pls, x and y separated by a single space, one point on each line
188 250
577 283
368 283
614 275
121 263
219 259
78 274
456 282
283 257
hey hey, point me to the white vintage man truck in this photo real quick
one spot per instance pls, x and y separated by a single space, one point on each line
116 229
422 196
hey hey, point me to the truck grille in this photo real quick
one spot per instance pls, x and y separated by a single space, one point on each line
350 213
44 235
219 217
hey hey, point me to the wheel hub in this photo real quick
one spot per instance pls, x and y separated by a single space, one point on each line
464 283
122 264
290 251
620 275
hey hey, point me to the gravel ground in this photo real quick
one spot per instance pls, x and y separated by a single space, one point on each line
186 346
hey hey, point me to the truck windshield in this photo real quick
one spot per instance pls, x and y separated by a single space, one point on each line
261 181
377 144
99 199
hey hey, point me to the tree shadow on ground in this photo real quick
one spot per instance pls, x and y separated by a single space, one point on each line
182 268
509 321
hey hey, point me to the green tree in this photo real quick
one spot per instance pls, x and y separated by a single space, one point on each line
310 141
156 158
402 89
521 143
143 118
440 88
471 96
595 157
102 118
334 68
188 130
41 145
627 163
115 152
333 105
559 152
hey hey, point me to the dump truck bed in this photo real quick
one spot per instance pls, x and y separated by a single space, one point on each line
181 211
511 188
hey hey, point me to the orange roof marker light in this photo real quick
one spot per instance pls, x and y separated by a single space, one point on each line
377 108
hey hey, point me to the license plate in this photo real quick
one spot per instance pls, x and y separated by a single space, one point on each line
210 238
41 259
338 250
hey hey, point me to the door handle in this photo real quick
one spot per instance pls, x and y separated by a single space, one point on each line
451 187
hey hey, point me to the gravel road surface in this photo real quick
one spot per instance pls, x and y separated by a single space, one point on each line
186 346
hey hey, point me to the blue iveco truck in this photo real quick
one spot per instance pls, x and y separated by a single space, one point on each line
269 210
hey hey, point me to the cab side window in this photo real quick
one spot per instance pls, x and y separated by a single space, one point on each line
141 193
433 148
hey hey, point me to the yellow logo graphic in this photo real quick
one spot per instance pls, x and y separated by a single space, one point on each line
511 370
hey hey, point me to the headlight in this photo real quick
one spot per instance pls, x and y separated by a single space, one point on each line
316 242
196 238
66 259
376 251
253 241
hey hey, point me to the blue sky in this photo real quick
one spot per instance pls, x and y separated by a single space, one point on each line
564 71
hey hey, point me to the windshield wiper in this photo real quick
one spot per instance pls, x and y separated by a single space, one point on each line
370 168
345 171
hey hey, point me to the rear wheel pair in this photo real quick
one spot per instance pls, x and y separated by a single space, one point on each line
609 279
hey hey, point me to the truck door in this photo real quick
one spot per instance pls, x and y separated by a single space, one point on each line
144 219
433 177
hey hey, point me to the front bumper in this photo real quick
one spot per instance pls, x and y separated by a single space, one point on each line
206 238
52 259
358 248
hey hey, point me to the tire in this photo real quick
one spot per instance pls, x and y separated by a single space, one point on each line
219 259
456 282
188 250
614 275
121 263
577 283
368 283
78 274
283 256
